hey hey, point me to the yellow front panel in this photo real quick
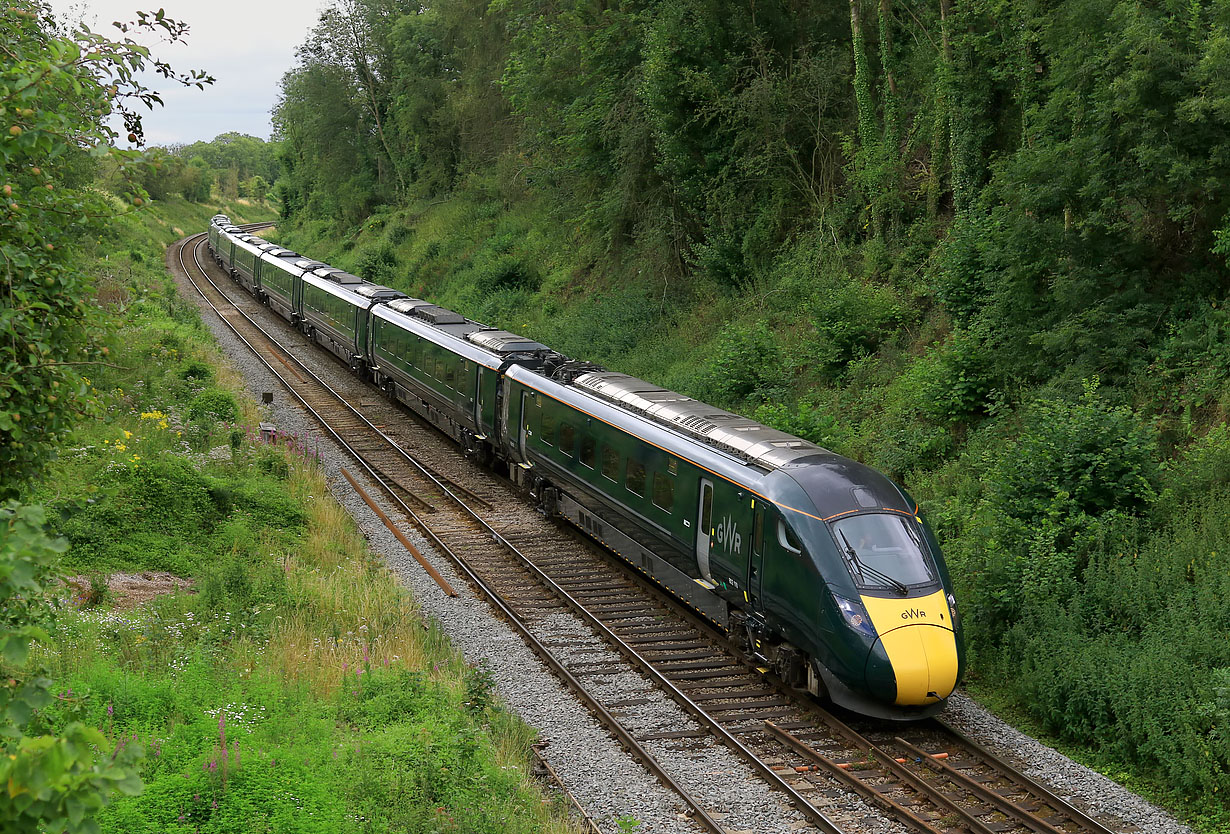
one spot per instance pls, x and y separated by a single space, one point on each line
889 614
917 636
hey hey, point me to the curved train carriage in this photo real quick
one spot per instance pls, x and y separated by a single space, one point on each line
824 566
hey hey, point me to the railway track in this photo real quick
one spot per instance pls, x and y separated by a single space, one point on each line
926 776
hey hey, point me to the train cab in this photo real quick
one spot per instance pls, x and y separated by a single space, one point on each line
886 634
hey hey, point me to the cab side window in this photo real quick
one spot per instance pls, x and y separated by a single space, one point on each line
786 537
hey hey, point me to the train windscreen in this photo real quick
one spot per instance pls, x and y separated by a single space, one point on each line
884 550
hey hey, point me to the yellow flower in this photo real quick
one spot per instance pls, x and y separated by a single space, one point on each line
127 434
121 447
136 458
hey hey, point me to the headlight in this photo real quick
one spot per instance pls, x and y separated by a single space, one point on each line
856 616
952 608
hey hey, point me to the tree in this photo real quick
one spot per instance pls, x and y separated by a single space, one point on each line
56 90
55 94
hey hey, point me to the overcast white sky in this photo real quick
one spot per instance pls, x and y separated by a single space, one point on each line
246 46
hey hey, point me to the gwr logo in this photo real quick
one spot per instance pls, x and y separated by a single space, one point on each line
913 614
727 535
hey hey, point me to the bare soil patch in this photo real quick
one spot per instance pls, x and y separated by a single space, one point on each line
128 590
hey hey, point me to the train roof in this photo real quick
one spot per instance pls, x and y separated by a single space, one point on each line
337 276
719 461
308 264
504 342
377 292
342 291
744 438
834 484
250 243
495 341
452 337
844 486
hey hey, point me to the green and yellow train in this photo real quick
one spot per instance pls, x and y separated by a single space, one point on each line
824 566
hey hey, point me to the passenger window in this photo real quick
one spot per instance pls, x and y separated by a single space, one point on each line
610 463
663 491
634 478
588 451
567 438
547 428
786 537
450 373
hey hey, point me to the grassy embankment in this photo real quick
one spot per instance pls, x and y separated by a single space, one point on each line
299 688
1087 526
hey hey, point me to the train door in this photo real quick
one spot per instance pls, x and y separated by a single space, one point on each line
525 425
755 565
704 528
499 421
476 371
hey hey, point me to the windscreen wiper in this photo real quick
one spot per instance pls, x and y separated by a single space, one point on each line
880 576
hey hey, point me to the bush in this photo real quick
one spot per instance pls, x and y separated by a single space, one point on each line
196 370
1077 457
802 420
378 265
1122 663
952 383
852 318
1203 468
747 366
505 272
213 405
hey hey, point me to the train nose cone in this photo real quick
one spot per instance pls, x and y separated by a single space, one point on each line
917 638
924 662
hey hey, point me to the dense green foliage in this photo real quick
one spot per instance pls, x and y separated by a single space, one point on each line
978 244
